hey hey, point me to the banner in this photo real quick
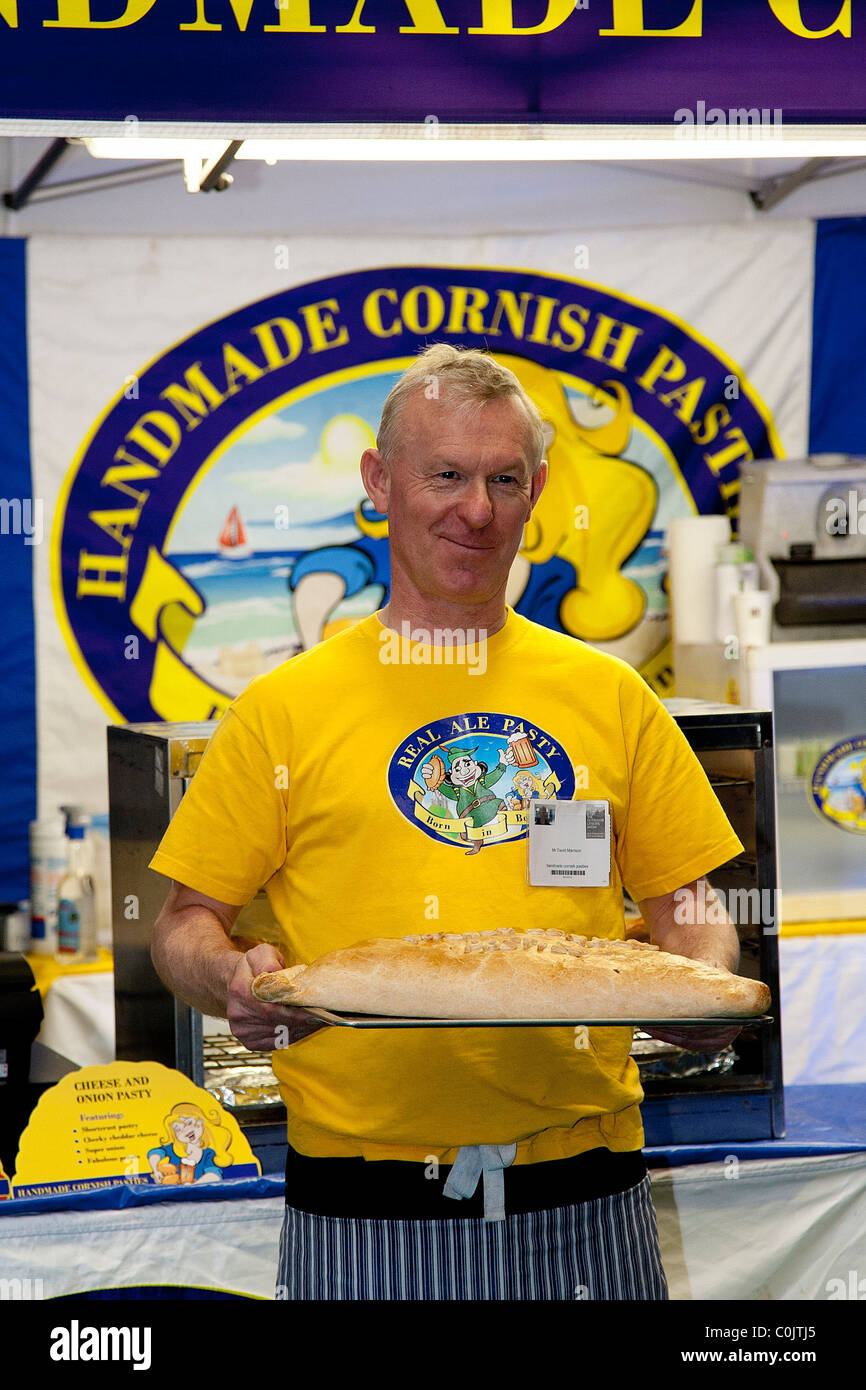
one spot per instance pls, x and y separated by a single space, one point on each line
837 420
431 61
202 404
22 526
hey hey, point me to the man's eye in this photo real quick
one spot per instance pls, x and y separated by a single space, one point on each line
448 473
505 478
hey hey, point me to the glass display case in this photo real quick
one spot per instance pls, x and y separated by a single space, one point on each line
817 692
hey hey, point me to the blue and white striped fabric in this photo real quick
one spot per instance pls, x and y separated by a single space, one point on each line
602 1249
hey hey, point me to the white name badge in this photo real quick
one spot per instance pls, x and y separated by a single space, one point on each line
569 844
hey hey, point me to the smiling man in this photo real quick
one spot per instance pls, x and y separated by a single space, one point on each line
350 785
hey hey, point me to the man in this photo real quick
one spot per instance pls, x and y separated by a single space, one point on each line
313 786
468 784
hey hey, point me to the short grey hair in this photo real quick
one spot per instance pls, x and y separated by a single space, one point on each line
471 378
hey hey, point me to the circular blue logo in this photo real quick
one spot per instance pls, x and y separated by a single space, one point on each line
839 785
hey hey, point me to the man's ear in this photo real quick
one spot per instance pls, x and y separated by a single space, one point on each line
539 478
376 479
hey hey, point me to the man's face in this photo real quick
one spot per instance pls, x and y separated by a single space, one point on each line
458 495
464 771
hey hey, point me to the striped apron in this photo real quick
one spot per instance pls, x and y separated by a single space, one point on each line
606 1248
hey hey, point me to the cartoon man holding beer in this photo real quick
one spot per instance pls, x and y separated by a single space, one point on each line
468 782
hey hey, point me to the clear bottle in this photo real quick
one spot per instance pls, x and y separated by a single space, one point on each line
76 924
49 852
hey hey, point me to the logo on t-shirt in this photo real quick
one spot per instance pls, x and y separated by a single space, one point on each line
469 780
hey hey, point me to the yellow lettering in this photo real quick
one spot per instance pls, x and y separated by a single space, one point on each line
706 431
240 9
235 364
507 300
739 448
295 19
543 316
372 313
788 13
426 19
75 14
425 15
293 340
9 12
411 306
199 389
119 476
113 523
578 333
611 332
688 397
98 581
628 23
139 434
355 26
497 17
466 309
320 321
665 366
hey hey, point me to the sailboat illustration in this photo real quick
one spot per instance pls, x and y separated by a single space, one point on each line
233 542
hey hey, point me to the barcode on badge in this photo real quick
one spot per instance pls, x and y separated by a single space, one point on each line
595 822
570 872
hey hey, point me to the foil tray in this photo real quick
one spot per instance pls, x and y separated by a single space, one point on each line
344 1020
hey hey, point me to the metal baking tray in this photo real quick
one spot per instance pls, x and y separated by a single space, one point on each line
342 1020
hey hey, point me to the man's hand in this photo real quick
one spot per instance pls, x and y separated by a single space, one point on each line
259 1026
197 960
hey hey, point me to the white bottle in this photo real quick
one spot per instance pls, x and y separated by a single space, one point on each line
76 931
48 860
735 571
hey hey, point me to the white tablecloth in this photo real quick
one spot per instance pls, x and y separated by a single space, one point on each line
823 986
780 1229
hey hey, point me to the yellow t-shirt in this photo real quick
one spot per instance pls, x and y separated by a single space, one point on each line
312 786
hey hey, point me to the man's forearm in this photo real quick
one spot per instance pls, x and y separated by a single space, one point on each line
716 944
194 958
693 922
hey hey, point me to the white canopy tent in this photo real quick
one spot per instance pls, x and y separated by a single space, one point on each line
82 195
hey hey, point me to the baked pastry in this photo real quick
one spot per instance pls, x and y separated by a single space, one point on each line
509 974
433 773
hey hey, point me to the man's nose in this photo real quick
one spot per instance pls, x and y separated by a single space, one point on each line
475 505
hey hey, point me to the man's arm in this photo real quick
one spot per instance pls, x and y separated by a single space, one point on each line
677 922
196 959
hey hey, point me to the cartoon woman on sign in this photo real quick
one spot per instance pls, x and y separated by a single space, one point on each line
526 787
190 1154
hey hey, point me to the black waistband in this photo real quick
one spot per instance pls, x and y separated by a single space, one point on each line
404 1191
